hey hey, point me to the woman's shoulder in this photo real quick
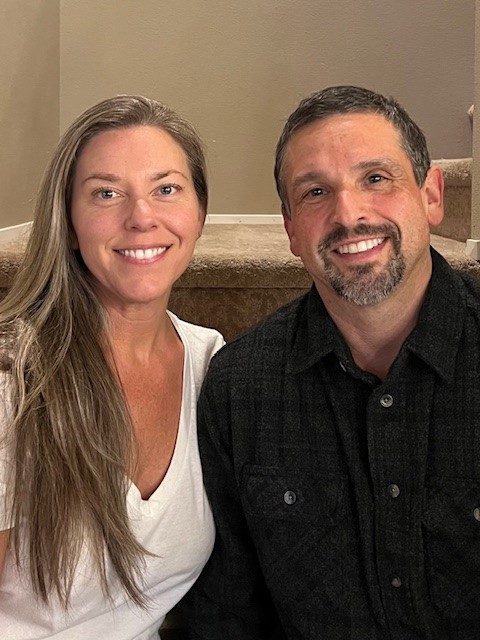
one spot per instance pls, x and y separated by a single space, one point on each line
199 338
202 343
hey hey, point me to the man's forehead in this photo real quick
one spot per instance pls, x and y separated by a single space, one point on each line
345 122
372 133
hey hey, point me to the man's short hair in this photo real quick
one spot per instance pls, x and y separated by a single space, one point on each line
347 99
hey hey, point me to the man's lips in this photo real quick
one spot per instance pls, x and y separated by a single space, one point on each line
360 246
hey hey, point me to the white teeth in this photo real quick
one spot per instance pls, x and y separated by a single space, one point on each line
142 254
359 247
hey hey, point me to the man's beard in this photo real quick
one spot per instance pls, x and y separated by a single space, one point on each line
361 284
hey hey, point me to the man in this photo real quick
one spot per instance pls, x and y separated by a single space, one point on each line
341 437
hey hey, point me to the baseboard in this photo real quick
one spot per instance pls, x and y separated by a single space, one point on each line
11 234
254 218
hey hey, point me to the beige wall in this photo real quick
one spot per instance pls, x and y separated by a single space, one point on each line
29 89
475 215
235 69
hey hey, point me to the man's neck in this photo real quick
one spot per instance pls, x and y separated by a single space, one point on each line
375 333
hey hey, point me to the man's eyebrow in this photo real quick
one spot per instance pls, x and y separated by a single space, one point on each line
111 177
310 176
379 163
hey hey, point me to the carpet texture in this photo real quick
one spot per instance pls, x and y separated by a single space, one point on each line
240 273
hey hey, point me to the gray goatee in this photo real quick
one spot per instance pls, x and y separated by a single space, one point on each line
361 284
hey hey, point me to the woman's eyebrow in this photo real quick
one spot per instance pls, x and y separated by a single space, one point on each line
164 174
107 177
111 177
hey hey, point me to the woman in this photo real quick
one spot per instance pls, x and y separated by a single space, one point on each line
104 521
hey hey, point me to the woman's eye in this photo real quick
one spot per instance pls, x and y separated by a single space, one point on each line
106 194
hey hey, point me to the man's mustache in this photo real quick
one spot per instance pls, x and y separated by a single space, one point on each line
342 234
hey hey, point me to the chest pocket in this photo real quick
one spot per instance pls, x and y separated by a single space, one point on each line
294 519
452 547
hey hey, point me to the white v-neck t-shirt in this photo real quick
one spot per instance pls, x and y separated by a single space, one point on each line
175 524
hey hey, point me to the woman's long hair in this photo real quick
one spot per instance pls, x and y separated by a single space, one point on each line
71 436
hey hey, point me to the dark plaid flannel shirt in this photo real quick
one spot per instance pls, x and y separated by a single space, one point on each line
346 508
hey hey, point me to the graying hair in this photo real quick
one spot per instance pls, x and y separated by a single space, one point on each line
347 99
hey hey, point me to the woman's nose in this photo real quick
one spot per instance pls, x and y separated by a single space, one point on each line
141 216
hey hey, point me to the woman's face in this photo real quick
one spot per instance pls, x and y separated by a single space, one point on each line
135 215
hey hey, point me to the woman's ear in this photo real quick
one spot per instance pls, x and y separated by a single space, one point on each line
203 217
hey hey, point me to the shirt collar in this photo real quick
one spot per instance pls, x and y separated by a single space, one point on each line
439 328
435 338
315 335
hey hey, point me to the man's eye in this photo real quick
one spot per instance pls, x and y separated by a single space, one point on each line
317 191
375 178
168 189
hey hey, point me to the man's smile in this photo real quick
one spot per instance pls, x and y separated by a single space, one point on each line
360 247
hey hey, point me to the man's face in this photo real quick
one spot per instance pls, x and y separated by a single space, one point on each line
359 221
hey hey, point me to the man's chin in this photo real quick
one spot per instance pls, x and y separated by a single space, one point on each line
366 284
365 287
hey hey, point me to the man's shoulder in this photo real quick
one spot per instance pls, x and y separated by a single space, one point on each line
451 278
270 339
471 286
275 325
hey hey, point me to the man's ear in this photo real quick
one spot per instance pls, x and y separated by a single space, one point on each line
433 193
290 229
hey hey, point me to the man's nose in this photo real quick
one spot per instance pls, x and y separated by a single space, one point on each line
349 208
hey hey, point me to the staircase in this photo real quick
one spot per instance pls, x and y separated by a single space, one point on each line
242 272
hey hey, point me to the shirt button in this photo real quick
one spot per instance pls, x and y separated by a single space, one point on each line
476 513
396 582
393 490
289 497
386 400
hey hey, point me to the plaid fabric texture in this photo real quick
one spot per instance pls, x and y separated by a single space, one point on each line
347 508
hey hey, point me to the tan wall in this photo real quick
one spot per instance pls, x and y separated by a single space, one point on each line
475 215
29 90
236 69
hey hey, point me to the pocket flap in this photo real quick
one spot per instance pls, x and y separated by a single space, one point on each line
299 494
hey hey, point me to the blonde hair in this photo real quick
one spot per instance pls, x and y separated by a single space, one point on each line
71 435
